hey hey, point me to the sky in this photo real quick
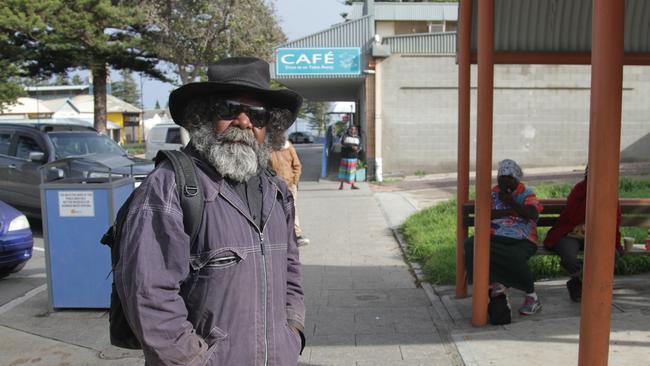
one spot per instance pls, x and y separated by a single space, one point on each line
298 18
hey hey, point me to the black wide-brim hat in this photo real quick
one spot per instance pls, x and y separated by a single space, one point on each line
239 76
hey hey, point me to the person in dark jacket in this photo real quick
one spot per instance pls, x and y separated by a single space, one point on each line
350 147
234 297
567 237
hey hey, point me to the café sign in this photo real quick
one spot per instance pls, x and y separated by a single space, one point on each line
318 61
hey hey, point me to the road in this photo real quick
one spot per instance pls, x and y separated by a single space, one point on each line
310 157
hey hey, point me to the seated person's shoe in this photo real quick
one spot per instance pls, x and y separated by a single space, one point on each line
530 306
302 241
574 285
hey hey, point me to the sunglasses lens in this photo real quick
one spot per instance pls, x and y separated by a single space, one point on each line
226 110
258 116
229 109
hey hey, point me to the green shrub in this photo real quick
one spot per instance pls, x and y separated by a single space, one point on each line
134 149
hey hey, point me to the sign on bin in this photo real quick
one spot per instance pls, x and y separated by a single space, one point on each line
76 204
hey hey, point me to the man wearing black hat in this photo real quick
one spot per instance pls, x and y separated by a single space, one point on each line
234 297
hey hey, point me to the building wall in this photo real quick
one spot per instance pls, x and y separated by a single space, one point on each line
385 28
541 114
117 118
128 134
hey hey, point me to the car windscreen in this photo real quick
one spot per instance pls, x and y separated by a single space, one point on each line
74 144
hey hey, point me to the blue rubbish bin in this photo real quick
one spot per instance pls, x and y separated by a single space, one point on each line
76 212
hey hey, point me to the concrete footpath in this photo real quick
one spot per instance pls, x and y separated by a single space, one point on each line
364 305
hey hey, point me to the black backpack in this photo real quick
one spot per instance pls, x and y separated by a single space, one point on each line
499 310
191 199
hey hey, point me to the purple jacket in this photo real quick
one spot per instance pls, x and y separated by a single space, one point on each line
228 300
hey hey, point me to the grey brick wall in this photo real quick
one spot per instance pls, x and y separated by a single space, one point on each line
541 114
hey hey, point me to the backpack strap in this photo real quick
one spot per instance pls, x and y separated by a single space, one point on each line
189 191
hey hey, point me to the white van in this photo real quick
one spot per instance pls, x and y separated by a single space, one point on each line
165 136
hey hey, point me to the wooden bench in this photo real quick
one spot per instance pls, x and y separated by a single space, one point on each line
634 213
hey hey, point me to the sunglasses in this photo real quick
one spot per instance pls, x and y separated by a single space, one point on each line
230 109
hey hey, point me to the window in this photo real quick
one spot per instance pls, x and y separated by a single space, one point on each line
75 144
5 140
25 146
131 119
173 136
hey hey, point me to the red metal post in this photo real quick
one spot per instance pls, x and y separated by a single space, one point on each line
483 161
602 187
462 195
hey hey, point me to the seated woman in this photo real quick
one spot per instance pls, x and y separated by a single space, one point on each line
567 237
513 238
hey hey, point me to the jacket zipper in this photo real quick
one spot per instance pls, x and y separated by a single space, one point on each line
266 338
264 274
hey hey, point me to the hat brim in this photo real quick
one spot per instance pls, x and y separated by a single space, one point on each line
273 98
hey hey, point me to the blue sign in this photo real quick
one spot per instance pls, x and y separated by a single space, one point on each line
318 61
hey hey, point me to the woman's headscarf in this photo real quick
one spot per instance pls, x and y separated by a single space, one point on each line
510 167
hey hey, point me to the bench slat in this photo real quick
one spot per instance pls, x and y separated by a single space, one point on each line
639 249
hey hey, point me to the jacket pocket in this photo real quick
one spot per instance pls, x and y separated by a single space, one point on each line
294 339
218 345
217 259
215 335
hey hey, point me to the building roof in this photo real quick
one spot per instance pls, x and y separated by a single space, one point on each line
58 103
150 113
60 121
558 26
26 105
355 33
82 103
398 11
85 104
47 88
423 43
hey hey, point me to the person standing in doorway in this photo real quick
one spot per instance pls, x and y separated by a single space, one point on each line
350 147
287 165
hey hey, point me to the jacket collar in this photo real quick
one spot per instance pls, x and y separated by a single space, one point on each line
270 190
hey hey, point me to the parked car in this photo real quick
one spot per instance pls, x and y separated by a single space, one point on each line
16 240
24 148
164 136
301 138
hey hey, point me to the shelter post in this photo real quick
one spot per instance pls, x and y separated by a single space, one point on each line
379 175
483 161
462 191
602 187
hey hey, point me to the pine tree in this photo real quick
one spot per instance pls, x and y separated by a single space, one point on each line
192 33
76 80
61 79
316 115
127 89
157 105
10 90
52 36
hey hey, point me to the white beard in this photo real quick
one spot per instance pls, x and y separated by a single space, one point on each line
235 153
